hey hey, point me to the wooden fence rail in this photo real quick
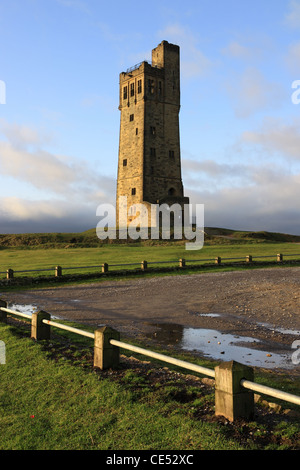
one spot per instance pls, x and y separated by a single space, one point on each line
234 382
144 265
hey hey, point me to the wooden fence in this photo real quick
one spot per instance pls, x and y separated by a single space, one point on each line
144 265
234 382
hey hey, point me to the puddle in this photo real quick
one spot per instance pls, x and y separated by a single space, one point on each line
210 343
280 330
221 346
28 309
213 315
227 347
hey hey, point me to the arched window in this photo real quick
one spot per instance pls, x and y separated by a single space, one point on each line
171 192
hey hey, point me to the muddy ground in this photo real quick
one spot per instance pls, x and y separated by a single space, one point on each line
263 304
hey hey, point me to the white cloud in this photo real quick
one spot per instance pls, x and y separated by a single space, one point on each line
76 4
40 168
21 209
23 158
21 135
293 58
57 215
70 190
212 168
238 51
271 206
292 18
211 175
252 92
257 187
277 137
193 63
114 35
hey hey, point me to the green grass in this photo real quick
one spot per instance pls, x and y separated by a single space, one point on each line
48 404
51 398
26 252
38 258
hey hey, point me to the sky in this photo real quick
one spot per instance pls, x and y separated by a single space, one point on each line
59 117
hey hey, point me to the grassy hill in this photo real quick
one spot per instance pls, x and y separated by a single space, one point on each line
213 236
217 234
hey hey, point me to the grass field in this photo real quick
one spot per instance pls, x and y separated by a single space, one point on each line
45 251
39 258
51 398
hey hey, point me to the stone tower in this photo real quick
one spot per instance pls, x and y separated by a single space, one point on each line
149 168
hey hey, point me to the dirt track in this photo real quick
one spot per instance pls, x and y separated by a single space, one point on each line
145 307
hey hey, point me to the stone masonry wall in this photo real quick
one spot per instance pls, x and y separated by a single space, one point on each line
149 167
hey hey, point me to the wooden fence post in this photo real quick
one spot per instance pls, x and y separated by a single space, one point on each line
58 271
104 267
248 259
218 260
232 400
9 274
144 265
3 315
182 263
40 330
279 257
106 355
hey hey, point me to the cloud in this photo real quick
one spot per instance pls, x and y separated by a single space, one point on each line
293 58
238 51
76 4
271 206
251 92
212 175
56 215
23 158
257 187
96 100
209 175
23 135
14 208
194 63
41 169
213 168
69 189
276 137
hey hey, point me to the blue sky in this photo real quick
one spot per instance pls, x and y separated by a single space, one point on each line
59 124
